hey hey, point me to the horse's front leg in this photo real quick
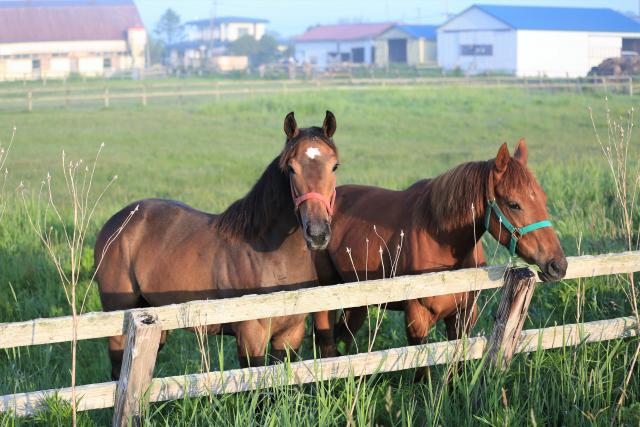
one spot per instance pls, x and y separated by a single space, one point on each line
289 339
251 338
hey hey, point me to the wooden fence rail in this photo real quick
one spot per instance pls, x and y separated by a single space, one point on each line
250 88
98 396
95 325
249 307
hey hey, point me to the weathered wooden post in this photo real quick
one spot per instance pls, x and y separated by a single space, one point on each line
143 339
144 95
106 96
512 312
30 99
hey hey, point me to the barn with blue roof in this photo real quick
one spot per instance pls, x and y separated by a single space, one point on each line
408 44
531 40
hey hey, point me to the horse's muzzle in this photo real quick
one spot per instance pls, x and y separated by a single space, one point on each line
554 270
317 235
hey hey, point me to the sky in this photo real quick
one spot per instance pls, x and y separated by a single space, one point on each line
293 17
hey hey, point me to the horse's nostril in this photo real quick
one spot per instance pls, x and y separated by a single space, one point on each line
309 230
555 269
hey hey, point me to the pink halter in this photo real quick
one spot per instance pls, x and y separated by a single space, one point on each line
298 200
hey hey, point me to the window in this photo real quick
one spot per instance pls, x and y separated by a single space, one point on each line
35 64
6 56
357 54
25 55
476 50
344 57
242 32
106 63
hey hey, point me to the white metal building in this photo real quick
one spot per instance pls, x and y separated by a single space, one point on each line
531 41
54 38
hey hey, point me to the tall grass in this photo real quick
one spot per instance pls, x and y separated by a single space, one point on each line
208 156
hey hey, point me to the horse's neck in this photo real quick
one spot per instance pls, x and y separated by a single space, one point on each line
285 236
429 245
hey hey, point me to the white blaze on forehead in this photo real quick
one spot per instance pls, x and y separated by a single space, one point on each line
313 152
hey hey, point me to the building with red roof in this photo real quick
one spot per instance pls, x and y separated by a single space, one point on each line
332 44
55 38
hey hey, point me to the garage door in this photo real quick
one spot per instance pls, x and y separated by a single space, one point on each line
398 50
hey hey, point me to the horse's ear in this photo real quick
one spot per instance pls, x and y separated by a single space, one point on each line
290 126
329 125
522 152
502 159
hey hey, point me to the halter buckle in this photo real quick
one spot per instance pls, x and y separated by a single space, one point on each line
516 233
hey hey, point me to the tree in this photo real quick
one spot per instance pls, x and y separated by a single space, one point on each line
245 45
267 50
168 28
156 49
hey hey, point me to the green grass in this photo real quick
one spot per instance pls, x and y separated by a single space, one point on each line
209 155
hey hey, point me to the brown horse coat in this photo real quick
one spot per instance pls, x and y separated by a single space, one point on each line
440 231
170 253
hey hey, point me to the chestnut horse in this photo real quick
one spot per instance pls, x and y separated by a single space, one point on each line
443 220
171 253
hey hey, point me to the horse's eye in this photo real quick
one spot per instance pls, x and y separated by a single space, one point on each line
335 168
291 171
514 206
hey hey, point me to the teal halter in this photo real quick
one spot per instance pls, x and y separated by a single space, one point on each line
516 233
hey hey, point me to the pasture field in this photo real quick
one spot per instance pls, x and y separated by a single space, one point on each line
210 155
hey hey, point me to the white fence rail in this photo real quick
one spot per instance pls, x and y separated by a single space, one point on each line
96 325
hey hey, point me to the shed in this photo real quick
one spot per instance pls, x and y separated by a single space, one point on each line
331 44
407 44
532 41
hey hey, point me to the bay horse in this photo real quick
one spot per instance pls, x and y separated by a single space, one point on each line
443 220
170 253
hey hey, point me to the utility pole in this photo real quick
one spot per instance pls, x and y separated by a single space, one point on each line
211 26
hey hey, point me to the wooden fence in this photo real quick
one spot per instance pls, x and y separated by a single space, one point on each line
96 325
216 89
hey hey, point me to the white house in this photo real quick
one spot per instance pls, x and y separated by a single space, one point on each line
54 38
332 44
529 40
212 37
406 44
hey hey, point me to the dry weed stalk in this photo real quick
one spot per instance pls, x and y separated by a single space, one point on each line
4 154
381 307
203 346
78 190
625 197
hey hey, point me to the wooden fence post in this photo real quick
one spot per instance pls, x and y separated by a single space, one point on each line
30 101
526 85
106 96
604 83
143 338
579 81
512 312
144 95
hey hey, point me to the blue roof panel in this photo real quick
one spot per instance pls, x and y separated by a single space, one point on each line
420 31
562 18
